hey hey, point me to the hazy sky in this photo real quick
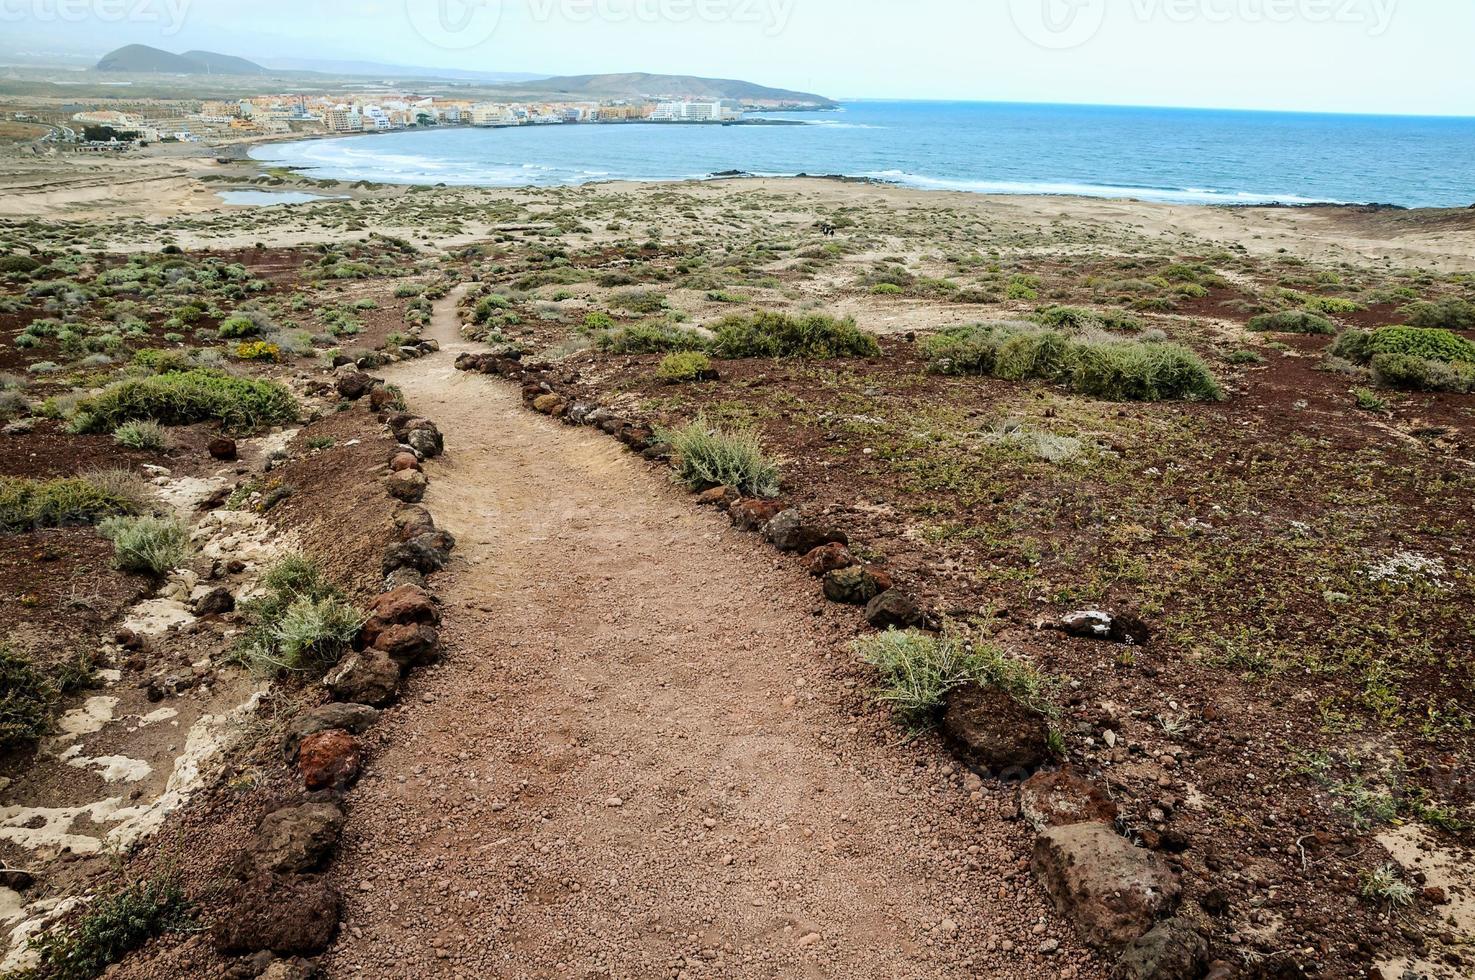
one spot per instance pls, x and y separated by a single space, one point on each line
1336 55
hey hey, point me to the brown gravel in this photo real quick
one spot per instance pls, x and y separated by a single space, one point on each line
646 752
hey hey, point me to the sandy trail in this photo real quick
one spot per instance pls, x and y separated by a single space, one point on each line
634 760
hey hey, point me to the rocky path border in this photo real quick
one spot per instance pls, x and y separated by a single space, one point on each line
284 908
1123 898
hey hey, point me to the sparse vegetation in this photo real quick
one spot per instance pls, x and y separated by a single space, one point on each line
301 621
185 397
650 338
148 436
146 545
711 457
1385 886
811 335
1117 370
919 670
1293 321
684 366
110 928
26 505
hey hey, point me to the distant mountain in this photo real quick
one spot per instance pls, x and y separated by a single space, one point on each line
379 69
635 85
224 64
140 59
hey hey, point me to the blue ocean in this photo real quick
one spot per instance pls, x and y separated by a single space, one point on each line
1186 156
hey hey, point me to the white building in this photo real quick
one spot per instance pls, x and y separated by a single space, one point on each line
694 112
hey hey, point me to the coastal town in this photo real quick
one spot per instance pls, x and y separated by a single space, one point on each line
219 121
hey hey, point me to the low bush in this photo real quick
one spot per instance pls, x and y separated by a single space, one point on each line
26 505
1428 342
1451 313
146 545
685 366
238 326
162 361
27 700
111 928
1078 318
1118 370
640 302
711 457
148 436
650 338
784 335
258 350
1292 321
300 622
918 672
186 397
1411 373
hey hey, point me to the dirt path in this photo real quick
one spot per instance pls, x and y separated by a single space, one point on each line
638 757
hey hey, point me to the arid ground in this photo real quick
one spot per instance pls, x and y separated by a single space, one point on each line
746 578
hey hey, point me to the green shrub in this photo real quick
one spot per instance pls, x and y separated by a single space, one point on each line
650 338
598 321
26 505
1412 373
1077 318
1368 400
685 366
641 302
489 305
711 457
1333 304
784 335
1143 372
919 671
238 326
27 700
300 622
148 436
146 545
1451 313
186 397
887 289
1115 370
161 360
1292 321
18 265
111 928
1432 343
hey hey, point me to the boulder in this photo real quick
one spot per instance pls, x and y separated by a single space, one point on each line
329 760
404 461
751 514
788 531
412 521
352 718
408 485
405 604
549 404
1174 949
719 497
1061 798
427 442
827 558
404 576
296 839
382 398
894 609
292 915
216 602
425 553
354 385
407 643
222 449
856 585
367 677
993 732
1112 891
1093 624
